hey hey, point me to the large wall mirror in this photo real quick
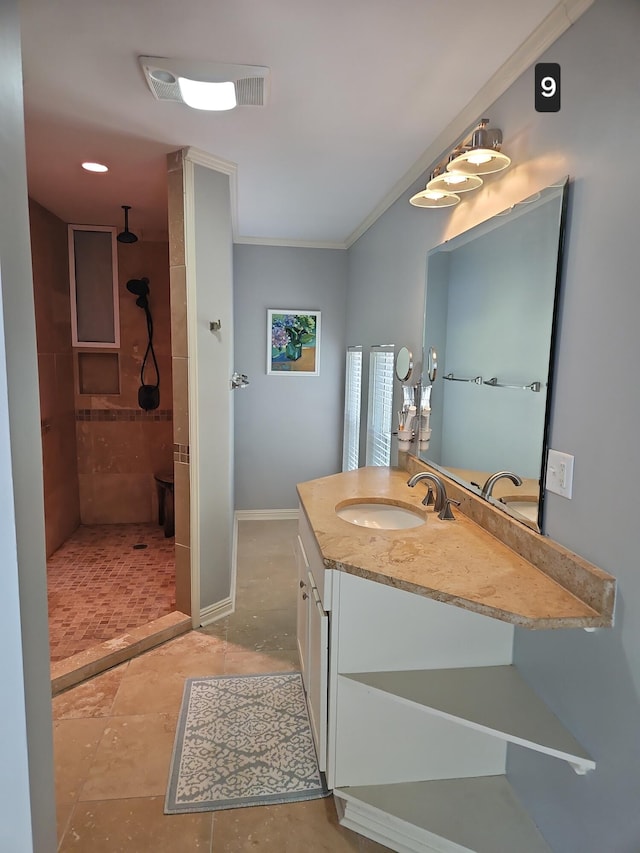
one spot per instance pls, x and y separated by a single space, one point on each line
490 313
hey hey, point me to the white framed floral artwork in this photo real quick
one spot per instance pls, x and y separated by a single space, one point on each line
293 342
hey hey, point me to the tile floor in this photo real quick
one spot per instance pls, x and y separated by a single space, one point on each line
100 584
113 735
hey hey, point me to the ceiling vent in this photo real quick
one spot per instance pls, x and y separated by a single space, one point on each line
162 76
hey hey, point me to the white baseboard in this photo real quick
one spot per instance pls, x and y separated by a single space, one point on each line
216 611
266 514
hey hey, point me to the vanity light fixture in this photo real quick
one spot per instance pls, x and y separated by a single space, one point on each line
482 156
434 198
460 172
205 85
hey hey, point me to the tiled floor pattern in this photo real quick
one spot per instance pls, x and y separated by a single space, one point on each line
113 735
100 584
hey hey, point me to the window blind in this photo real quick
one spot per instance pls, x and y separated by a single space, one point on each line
380 409
352 402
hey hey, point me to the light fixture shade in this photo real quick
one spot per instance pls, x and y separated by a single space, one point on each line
479 161
205 95
434 198
454 182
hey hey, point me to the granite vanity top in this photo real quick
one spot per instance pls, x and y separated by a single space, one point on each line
457 562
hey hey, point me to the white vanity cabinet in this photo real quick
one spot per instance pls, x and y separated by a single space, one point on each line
423 702
313 633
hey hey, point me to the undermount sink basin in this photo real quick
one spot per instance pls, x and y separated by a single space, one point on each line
380 516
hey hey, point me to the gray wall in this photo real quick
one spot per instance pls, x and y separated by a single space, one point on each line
27 809
287 428
592 681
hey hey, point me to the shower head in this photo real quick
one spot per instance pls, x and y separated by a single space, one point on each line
126 236
140 288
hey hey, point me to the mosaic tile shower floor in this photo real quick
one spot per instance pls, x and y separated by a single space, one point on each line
100 585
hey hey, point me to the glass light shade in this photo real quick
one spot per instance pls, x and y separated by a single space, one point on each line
454 182
207 96
479 161
434 198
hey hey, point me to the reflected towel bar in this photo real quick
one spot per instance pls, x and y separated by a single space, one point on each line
533 386
452 378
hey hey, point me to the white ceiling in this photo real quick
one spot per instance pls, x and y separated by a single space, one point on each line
359 90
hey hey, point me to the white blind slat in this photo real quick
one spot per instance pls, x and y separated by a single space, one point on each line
352 402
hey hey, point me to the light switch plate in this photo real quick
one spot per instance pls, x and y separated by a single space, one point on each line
559 473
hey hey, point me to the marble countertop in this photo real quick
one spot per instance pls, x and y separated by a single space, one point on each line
457 562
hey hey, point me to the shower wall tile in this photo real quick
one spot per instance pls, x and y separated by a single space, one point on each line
127 497
55 374
176 217
116 438
182 503
178 301
180 401
178 279
183 579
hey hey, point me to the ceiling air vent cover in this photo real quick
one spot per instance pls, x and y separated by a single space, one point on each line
162 78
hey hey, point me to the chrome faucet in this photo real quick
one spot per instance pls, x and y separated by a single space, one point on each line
442 504
487 489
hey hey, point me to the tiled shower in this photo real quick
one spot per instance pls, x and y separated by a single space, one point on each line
101 450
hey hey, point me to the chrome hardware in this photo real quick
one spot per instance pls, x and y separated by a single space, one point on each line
304 596
452 378
215 326
445 513
302 584
532 386
239 380
493 479
441 494
432 364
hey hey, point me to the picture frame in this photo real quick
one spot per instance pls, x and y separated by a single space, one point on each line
293 342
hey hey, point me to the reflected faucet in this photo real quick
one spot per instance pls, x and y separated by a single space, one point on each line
487 489
442 504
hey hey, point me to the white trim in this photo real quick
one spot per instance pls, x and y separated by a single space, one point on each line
292 243
551 28
266 514
192 380
216 611
227 167
234 561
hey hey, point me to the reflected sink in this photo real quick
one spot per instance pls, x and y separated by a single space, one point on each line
380 516
529 509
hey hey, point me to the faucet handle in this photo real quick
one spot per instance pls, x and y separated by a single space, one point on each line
429 498
445 513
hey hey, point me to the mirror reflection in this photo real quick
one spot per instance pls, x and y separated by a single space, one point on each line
404 364
490 315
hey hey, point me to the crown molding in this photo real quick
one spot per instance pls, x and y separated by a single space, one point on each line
299 244
546 33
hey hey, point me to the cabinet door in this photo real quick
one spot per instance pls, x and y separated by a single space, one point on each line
317 693
303 611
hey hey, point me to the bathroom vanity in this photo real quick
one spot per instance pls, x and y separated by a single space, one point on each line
406 645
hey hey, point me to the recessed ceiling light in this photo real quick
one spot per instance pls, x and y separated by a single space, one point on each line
95 167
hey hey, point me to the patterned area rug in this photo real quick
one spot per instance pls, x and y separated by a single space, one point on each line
243 741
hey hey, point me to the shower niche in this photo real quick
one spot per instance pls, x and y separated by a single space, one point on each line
93 272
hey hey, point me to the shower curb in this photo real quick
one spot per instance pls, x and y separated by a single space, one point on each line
77 668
